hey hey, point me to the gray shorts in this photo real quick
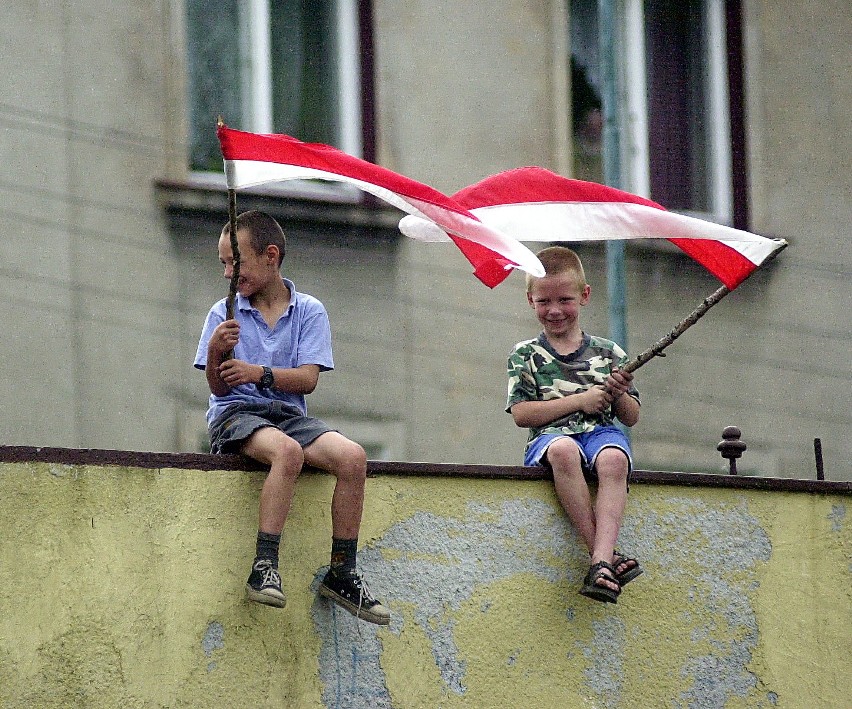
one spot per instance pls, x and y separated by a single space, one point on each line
232 428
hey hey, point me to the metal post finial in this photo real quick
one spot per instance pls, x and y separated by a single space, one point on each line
731 447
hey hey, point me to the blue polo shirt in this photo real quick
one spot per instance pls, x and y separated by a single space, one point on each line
302 335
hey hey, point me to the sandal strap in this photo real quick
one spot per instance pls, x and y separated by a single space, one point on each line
619 559
596 572
631 567
601 565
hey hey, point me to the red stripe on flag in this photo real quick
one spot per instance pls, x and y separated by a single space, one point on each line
488 266
238 145
727 264
535 185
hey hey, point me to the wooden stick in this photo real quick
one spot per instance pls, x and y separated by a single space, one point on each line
235 249
687 322
682 326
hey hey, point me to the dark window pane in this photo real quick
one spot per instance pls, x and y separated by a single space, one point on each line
677 107
304 65
586 115
213 77
304 69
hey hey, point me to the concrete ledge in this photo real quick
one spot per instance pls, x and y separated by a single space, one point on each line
204 461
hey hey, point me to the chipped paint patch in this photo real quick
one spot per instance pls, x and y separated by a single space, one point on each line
706 555
604 672
837 517
214 639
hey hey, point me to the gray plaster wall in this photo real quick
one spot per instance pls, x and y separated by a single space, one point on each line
90 282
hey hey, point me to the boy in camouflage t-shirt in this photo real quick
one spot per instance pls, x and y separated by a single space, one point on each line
567 388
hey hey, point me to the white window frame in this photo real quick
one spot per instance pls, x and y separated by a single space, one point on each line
256 70
633 107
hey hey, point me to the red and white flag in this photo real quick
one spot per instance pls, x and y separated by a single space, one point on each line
534 204
253 159
489 219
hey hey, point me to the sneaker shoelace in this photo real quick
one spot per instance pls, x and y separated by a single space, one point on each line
364 594
269 576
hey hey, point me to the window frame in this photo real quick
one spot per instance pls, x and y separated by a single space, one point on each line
356 125
725 151
637 160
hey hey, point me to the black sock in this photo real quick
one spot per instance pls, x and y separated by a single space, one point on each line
267 547
343 555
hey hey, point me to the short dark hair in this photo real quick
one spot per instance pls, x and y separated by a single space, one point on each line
263 230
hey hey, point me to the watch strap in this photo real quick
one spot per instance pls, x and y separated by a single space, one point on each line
267 379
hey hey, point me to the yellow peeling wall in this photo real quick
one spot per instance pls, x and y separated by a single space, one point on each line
123 587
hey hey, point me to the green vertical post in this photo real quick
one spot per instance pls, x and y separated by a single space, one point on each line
608 52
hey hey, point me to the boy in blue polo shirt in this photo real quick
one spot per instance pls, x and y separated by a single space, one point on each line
567 388
281 341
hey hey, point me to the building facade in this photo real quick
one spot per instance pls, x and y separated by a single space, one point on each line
113 202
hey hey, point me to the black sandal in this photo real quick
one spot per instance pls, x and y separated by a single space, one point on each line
592 589
630 573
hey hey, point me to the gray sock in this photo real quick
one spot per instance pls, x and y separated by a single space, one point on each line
343 556
267 547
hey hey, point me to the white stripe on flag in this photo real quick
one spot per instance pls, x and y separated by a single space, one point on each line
439 221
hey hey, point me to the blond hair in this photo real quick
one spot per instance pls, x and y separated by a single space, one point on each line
558 260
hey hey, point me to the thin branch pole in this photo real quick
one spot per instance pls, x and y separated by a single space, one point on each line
682 326
690 320
235 249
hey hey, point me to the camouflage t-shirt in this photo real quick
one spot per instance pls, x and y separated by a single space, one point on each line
538 373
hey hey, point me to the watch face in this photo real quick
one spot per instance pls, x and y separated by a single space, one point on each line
267 379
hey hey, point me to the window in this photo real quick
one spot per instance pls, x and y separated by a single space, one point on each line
277 66
674 115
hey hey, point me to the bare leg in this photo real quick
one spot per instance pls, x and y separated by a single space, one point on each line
597 524
347 461
285 459
611 466
571 488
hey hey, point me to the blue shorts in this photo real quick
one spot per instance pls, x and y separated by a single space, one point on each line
590 444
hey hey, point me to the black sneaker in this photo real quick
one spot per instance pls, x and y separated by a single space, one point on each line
350 592
264 584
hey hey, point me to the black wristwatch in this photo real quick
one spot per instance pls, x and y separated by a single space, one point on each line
267 380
